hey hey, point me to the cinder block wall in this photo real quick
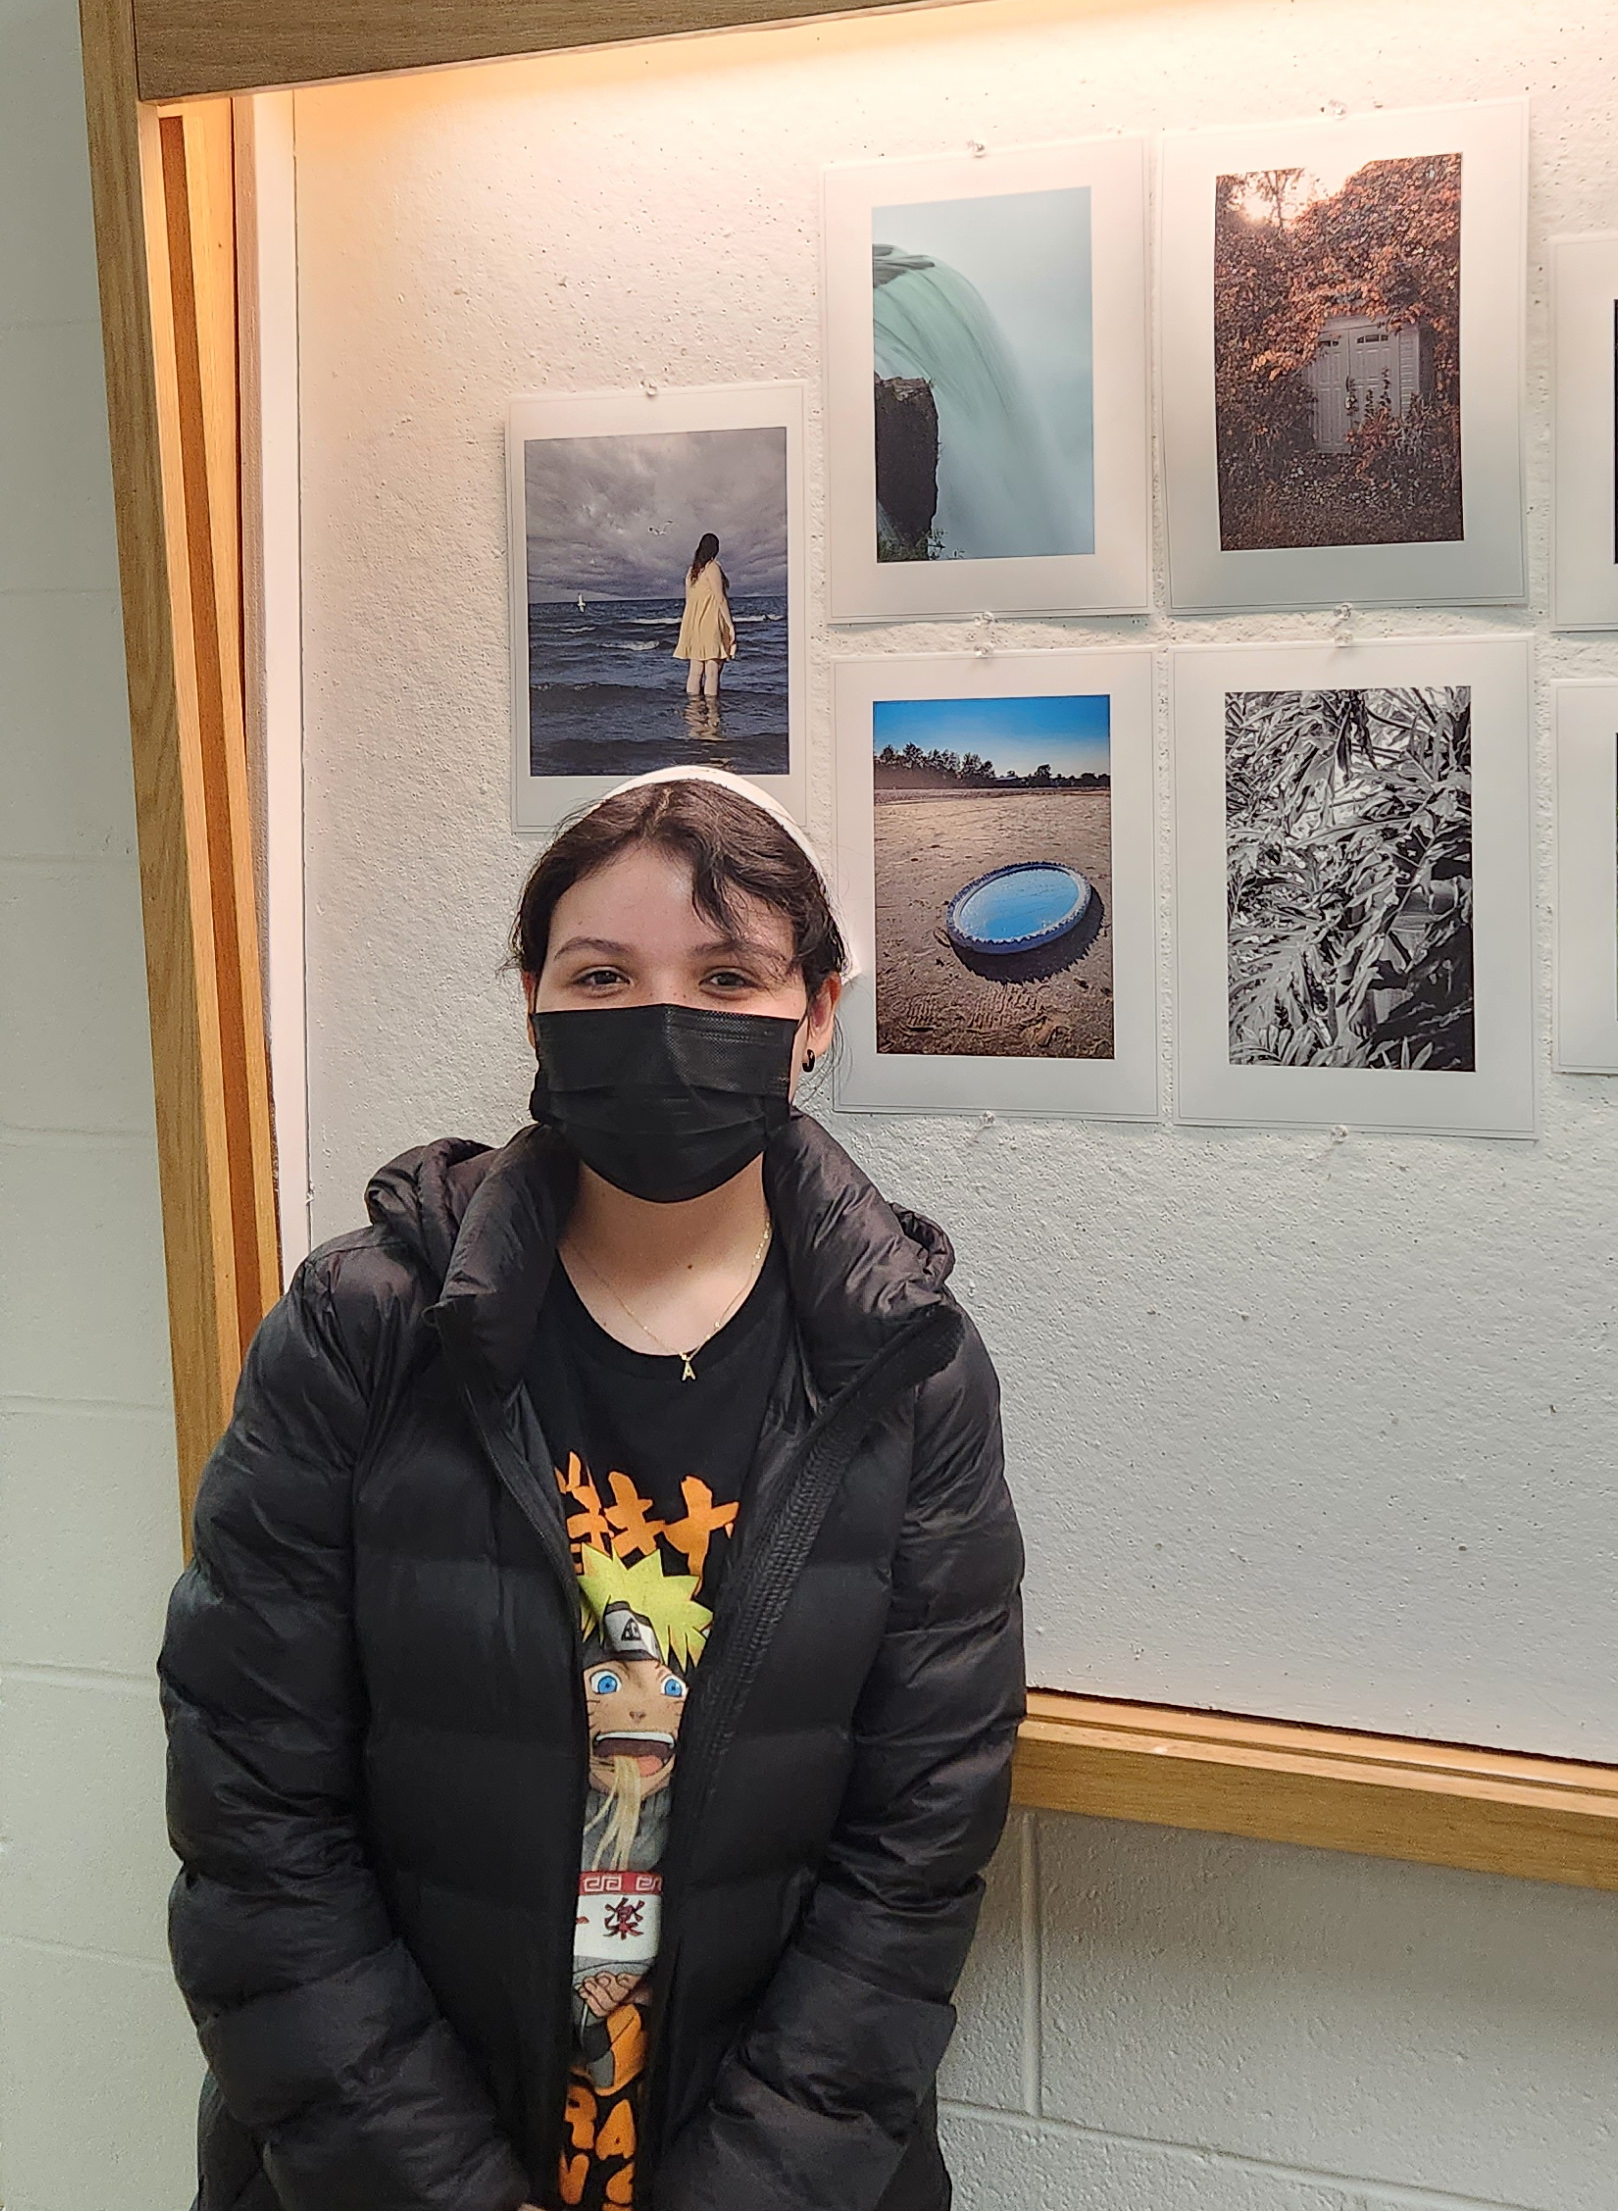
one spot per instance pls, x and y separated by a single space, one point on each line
1152 2021
1159 2021
97 2066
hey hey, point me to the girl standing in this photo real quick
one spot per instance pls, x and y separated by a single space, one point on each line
592 1696
707 634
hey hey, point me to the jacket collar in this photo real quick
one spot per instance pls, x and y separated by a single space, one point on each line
860 1269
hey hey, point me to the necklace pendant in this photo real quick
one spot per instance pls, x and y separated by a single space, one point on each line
688 1371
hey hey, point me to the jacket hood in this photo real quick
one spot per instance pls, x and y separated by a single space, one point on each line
481 1226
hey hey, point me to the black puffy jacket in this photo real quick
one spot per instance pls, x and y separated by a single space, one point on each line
377 1734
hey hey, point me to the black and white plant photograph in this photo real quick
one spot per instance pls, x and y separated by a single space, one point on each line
1348 843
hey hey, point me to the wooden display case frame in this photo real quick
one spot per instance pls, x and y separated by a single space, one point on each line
161 157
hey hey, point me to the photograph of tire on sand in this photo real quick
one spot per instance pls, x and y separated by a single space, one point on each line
1586 716
995 849
1584 558
656 590
986 383
1353 912
1342 324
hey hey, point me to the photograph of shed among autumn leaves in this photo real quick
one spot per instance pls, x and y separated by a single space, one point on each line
1337 370
1348 853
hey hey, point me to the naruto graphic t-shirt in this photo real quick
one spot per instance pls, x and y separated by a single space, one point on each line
653 1471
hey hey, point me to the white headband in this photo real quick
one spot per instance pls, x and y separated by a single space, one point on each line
772 806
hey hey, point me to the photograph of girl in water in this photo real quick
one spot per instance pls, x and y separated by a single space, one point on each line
707 636
615 600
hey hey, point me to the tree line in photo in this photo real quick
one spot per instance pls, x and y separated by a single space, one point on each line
909 767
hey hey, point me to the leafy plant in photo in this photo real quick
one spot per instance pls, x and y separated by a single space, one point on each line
1348 828
1288 259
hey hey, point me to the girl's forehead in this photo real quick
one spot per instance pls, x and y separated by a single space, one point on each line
647 893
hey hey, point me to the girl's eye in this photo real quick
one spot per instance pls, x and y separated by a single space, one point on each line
730 978
600 978
673 1687
603 1684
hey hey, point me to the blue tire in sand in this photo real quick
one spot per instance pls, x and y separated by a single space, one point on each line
1017 909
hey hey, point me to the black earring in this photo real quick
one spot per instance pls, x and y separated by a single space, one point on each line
808 1063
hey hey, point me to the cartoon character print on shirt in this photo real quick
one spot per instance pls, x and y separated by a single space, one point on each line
644 1632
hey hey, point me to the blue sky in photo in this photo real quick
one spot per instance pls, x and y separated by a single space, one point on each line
1070 734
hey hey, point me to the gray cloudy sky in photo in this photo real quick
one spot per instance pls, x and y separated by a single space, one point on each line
619 517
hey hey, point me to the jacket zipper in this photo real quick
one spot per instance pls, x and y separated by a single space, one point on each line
755 1602
542 1511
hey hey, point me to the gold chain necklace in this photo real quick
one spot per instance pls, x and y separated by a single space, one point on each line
688 1371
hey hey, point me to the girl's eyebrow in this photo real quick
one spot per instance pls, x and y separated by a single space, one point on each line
748 948
591 944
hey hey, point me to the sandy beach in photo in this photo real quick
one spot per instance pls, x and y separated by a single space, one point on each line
1048 1005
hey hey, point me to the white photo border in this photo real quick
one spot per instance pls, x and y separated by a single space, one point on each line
540 802
1122 1088
1584 544
1498 1097
1487 567
1586 717
1116 577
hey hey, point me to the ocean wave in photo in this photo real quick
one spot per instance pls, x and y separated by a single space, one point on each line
607 697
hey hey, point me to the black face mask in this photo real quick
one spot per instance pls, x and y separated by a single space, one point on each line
665 1102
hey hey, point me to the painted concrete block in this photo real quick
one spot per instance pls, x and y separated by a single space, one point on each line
47 266
1416 2027
56 481
89 1535
985 2061
98 2085
73 999
66 786
1004 2167
87 1862
995 2166
82 1311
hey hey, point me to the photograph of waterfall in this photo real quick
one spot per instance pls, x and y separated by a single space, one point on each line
1342 360
655 588
996 853
986 368
984 430
1353 884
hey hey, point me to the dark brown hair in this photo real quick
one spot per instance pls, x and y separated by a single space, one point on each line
733 847
707 550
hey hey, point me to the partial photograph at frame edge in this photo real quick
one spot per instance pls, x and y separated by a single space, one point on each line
1584 529
1585 716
